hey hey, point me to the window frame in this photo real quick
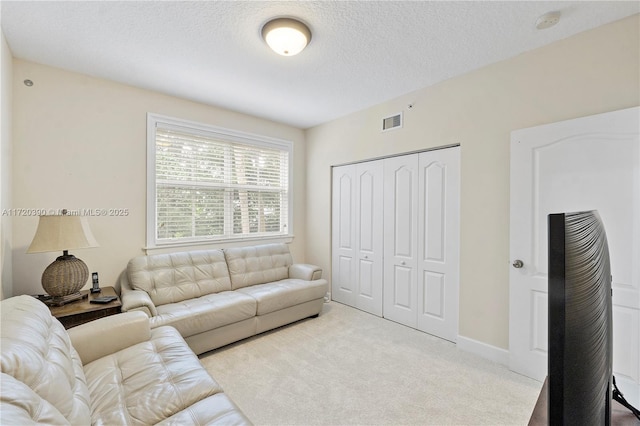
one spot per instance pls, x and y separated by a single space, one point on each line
221 134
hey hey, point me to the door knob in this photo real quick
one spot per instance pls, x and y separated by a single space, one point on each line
403 263
518 264
366 257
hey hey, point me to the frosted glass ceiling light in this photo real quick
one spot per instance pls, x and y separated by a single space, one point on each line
286 36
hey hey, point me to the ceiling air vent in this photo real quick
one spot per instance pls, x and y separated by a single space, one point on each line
392 122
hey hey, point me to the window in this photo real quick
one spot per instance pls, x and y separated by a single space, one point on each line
211 184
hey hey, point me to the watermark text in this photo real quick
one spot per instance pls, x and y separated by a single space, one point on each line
68 212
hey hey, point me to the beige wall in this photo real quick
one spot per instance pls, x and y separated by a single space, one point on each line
80 142
6 221
590 73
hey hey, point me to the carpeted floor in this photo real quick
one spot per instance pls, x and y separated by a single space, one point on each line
347 367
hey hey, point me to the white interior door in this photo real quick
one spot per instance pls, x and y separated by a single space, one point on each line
590 163
401 239
344 235
369 236
438 249
357 275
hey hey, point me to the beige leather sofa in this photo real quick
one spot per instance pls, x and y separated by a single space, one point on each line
112 371
216 297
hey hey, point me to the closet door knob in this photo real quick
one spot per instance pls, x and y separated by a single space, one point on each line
366 257
403 263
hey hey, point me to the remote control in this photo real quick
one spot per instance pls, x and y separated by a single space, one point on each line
103 299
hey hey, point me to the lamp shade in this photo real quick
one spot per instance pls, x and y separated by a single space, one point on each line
286 36
64 278
62 232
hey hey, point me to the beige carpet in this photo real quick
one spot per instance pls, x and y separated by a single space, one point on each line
347 367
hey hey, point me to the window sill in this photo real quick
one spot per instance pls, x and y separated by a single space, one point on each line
217 244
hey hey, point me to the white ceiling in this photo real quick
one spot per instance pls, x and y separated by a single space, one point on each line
362 53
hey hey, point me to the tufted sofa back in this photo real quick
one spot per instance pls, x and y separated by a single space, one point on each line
174 277
42 377
258 264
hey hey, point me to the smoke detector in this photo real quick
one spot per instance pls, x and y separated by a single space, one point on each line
548 20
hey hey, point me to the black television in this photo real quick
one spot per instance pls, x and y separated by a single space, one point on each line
580 321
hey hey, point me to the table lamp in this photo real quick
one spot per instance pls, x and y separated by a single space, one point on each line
64 278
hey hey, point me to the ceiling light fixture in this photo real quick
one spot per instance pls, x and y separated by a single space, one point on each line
286 36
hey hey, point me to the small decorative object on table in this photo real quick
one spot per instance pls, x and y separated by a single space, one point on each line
64 278
62 300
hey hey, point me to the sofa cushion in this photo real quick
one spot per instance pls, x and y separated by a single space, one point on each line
285 293
215 410
148 382
36 351
20 405
174 277
205 313
258 264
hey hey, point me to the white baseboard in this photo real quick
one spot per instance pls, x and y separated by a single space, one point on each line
628 387
490 352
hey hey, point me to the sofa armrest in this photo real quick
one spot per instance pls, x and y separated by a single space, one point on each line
305 271
135 300
109 335
138 300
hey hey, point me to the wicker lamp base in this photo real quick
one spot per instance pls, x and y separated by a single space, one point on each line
65 276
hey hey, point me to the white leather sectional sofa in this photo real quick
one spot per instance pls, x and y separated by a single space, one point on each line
112 371
216 297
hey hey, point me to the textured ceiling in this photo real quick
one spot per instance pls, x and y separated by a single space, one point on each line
362 52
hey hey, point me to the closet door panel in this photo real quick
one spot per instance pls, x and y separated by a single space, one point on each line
433 294
366 210
369 218
400 238
343 282
403 288
434 211
403 214
438 268
365 279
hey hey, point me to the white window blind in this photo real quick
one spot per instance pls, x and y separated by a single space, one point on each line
216 184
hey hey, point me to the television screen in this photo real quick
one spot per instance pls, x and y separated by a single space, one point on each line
580 330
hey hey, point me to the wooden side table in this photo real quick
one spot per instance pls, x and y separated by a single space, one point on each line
82 311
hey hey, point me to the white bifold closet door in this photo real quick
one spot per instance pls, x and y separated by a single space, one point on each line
396 239
401 239
421 241
357 236
439 242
